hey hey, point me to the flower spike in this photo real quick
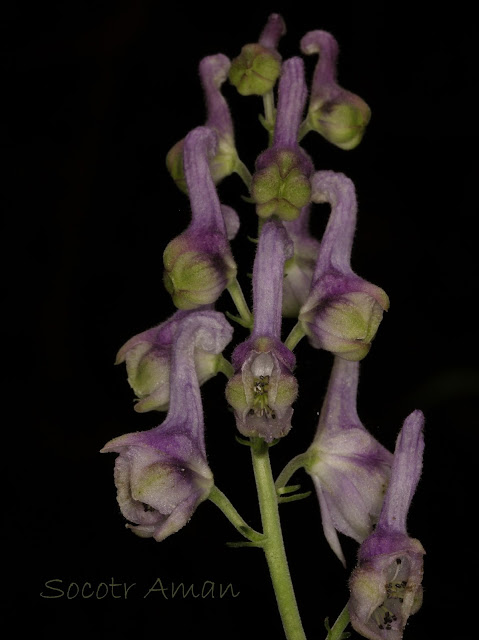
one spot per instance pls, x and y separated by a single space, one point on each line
263 388
213 73
343 311
386 585
198 263
148 359
349 468
281 181
162 475
338 115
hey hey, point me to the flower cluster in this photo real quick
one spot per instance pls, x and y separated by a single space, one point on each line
162 475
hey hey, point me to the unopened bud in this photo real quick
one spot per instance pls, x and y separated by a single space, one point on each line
255 70
281 188
194 275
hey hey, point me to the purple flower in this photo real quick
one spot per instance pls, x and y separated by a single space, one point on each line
298 271
386 585
213 72
148 358
263 387
198 263
281 181
162 475
343 311
338 115
256 69
349 468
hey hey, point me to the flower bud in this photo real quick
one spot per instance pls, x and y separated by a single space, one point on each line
148 357
197 272
255 70
346 324
343 311
338 115
198 263
281 188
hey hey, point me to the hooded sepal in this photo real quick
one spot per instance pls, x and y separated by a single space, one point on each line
338 115
162 475
148 358
349 468
198 263
343 311
298 270
213 73
281 181
386 585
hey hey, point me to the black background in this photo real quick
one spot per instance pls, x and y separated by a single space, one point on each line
96 94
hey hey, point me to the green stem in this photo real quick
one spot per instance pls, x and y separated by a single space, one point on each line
304 129
238 298
273 545
336 632
298 462
218 498
225 366
242 170
296 334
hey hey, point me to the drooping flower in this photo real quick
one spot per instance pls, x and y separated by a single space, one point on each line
349 468
343 311
213 73
263 387
162 475
386 585
198 263
338 115
281 181
148 359
298 271
256 69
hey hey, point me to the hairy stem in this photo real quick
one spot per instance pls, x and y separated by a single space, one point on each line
218 498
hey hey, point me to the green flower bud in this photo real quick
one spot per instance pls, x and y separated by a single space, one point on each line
343 122
281 188
195 276
255 70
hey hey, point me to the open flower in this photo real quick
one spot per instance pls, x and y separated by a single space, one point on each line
213 72
263 388
349 468
338 115
343 311
198 263
162 475
281 181
386 585
148 358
